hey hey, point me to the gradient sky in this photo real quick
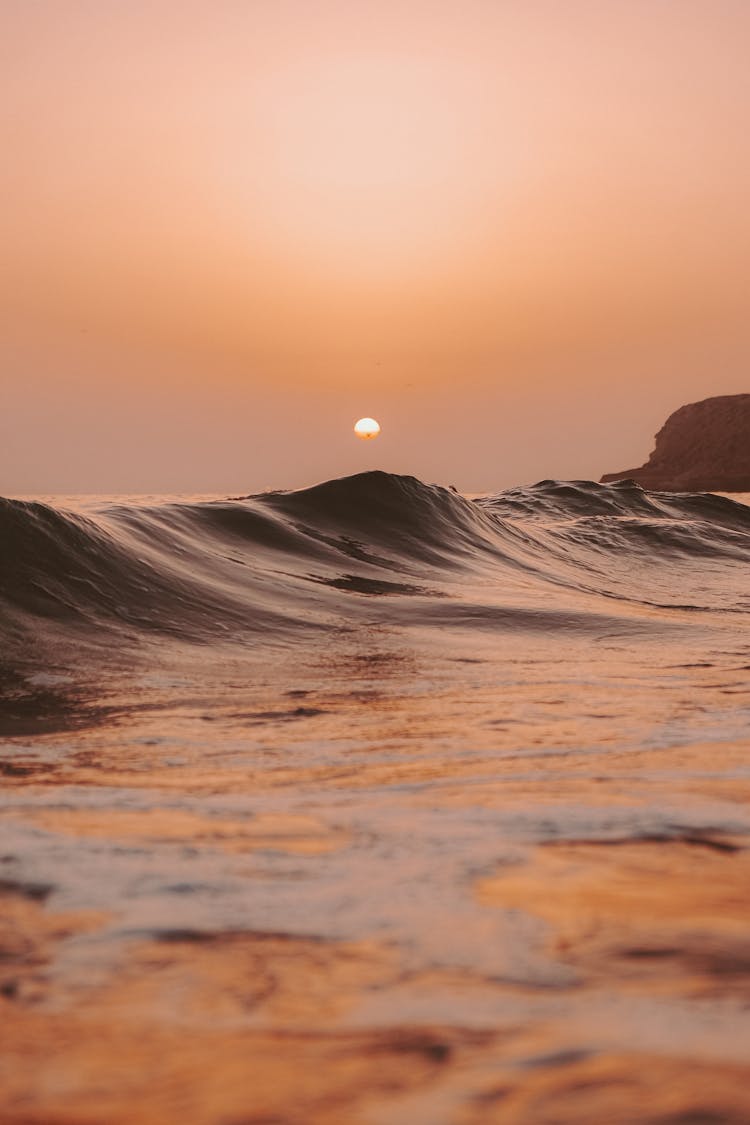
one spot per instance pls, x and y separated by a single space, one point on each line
517 233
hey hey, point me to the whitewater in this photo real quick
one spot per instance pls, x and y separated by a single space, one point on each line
373 802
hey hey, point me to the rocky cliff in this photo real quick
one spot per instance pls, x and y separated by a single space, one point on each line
702 447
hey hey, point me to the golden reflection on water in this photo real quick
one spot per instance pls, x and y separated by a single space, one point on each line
393 878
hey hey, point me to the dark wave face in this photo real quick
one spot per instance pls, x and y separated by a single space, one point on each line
371 547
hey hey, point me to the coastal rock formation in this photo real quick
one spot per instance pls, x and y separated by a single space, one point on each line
702 447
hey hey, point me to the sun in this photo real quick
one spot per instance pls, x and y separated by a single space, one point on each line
367 428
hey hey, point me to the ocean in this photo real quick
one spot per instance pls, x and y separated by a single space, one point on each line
373 803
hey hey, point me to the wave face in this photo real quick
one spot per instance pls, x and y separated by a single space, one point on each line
374 547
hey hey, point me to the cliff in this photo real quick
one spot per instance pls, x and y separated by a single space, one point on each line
702 447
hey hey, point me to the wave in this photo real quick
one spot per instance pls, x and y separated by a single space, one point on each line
374 546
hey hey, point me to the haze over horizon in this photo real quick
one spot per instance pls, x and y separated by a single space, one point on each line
517 235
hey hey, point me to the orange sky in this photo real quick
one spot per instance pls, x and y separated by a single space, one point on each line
514 232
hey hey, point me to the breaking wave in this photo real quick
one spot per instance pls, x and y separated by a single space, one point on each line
374 547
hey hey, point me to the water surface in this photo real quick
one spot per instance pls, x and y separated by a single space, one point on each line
374 803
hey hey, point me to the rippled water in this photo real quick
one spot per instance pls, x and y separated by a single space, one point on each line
374 803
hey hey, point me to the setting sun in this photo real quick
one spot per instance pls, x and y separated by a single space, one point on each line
367 428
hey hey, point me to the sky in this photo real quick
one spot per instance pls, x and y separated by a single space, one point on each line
515 232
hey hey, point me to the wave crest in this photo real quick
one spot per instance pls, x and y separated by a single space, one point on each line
279 562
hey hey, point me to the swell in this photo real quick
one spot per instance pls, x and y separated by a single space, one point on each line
362 547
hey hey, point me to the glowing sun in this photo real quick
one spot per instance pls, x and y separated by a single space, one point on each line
367 428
